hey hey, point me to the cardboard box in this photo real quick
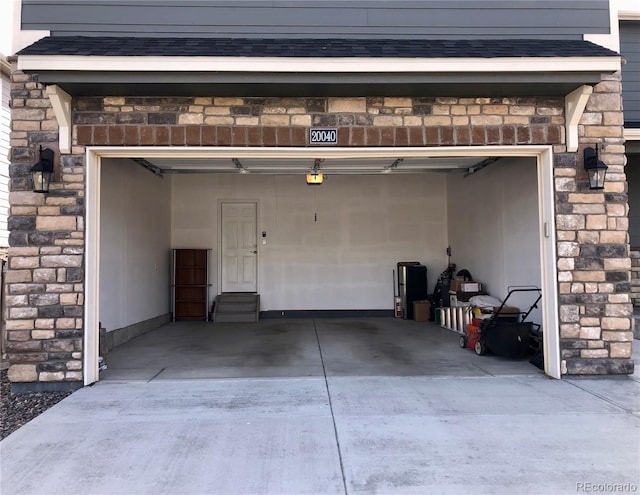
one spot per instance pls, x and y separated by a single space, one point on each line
507 312
470 287
421 310
465 286
454 285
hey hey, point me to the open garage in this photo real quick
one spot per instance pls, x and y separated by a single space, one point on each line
322 251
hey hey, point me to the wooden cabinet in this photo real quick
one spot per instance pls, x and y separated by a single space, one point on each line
190 284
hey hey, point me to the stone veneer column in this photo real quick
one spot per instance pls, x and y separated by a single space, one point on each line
45 276
594 264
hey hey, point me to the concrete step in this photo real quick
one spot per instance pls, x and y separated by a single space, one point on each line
237 307
237 297
235 318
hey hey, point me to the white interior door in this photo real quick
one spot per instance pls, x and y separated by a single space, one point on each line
239 247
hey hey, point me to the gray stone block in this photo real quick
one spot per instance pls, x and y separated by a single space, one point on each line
599 366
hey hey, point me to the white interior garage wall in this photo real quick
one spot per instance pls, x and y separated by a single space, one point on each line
494 228
342 260
135 242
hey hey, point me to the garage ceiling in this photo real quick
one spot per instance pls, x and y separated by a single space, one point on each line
334 166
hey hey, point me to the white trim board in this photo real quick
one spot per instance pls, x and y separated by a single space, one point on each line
293 152
631 134
61 103
543 154
5 66
317 65
574 105
92 269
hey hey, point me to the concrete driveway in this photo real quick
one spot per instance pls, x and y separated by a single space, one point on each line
333 434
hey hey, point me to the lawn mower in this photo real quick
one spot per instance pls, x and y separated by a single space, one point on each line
505 334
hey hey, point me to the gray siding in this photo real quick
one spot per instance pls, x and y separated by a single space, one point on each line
556 19
630 50
633 180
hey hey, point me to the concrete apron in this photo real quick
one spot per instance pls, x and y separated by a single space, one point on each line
304 347
333 434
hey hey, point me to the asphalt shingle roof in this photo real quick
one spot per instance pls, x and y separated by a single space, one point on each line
321 48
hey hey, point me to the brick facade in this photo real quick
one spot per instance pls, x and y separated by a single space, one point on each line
283 121
46 268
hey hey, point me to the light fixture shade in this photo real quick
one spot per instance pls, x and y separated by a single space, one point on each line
42 171
597 177
597 169
315 179
41 181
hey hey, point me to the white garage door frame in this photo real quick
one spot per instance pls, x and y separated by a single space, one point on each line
547 231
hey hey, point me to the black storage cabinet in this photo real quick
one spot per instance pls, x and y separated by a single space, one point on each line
412 286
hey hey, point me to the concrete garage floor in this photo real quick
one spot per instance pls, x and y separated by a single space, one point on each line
302 348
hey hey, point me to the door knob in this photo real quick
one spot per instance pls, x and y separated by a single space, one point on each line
254 252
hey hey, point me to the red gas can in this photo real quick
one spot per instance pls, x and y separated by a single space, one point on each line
398 307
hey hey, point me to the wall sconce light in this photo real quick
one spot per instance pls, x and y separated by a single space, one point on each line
43 171
597 169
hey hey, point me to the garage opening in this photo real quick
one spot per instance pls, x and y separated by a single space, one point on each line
321 248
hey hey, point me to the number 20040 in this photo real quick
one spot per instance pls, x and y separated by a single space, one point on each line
323 136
